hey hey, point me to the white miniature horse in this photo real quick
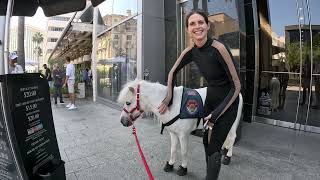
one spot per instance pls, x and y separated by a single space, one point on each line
141 96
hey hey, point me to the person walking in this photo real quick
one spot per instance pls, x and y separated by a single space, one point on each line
48 75
14 67
217 66
58 76
69 81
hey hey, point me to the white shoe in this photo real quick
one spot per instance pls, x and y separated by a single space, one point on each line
69 105
72 107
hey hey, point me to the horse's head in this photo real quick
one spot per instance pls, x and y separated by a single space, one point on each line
130 98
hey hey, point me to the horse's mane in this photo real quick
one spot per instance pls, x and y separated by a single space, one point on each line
124 92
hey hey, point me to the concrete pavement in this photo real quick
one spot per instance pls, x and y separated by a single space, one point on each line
95 146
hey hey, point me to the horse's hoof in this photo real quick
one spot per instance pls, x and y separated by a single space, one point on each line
226 160
224 151
182 171
168 167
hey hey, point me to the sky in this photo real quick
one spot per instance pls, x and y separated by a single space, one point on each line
284 12
119 7
39 20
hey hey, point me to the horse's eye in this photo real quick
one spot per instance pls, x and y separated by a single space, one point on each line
128 103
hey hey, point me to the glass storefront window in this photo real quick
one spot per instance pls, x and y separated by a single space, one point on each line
224 26
117 58
115 11
288 59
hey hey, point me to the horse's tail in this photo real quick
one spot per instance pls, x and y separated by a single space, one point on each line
233 131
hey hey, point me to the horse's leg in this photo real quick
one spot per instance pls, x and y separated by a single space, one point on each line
227 146
184 141
227 156
174 144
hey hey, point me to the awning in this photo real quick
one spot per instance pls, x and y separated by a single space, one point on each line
76 39
75 43
50 7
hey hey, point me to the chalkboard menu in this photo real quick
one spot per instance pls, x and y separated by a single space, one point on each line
8 169
28 124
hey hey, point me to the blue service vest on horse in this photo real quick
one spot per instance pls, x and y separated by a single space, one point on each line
191 107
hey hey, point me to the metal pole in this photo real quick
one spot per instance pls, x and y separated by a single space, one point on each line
94 53
2 31
6 39
257 46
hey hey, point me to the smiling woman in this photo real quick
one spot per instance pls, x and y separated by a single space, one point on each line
217 66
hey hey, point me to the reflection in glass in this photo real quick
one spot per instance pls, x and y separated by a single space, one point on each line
289 83
224 26
115 11
117 58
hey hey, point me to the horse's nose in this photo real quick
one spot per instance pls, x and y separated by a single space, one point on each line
124 121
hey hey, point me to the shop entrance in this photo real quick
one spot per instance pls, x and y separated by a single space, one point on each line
289 79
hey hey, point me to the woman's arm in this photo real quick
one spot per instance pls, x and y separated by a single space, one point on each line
226 60
184 59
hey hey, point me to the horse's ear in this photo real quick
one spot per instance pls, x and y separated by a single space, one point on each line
131 89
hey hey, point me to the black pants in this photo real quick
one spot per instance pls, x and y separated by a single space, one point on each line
220 130
57 93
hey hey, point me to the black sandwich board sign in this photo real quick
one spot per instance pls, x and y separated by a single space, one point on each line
28 144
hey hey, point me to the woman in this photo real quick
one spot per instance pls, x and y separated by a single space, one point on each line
215 63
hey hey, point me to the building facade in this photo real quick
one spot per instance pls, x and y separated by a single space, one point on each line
32 58
263 51
55 26
278 58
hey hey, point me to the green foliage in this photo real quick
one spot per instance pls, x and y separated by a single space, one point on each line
38 39
60 62
293 55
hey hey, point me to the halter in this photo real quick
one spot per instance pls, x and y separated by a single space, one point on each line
137 108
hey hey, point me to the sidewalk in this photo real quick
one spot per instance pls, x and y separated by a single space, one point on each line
95 146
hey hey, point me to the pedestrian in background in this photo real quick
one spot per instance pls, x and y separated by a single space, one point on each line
14 67
58 76
48 75
70 81
90 76
85 77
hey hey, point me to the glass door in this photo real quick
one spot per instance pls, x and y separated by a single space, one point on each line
288 70
310 111
224 25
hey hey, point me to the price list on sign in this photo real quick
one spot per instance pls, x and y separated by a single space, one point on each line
31 122
8 170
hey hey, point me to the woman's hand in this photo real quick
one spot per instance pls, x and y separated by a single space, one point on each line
208 124
163 107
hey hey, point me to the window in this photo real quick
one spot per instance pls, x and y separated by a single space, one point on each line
55 28
52 39
115 43
129 37
59 18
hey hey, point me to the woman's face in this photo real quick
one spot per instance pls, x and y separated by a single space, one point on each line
197 27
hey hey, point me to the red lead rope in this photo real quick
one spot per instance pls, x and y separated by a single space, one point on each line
134 132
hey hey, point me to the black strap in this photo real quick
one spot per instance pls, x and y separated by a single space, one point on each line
169 123
198 122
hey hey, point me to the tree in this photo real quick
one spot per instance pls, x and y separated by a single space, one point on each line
38 39
316 47
293 55
20 48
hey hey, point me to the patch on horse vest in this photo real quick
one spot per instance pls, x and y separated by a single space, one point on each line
191 104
